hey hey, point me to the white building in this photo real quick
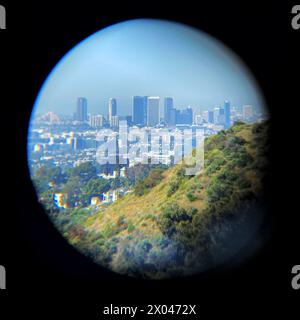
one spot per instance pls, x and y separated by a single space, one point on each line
97 121
114 121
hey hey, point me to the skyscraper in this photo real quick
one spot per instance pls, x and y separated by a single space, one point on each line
222 117
172 119
139 110
81 114
152 111
208 116
112 109
226 114
219 116
184 116
168 106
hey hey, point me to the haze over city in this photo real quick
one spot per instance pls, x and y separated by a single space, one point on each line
148 58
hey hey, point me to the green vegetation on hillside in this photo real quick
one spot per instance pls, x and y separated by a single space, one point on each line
172 224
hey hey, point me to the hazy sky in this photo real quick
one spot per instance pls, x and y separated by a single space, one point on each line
147 57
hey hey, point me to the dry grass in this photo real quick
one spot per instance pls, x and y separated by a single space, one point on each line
142 212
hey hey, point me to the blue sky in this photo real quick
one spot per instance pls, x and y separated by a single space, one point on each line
148 57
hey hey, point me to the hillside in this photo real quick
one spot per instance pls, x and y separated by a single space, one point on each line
183 224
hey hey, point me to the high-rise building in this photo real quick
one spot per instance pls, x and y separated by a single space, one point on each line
219 116
222 117
247 112
97 121
139 110
152 111
227 122
216 115
184 116
168 106
208 116
114 121
81 114
172 119
112 109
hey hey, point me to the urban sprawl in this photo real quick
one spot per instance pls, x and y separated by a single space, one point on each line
144 137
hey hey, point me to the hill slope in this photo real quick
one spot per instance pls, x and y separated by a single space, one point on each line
184 224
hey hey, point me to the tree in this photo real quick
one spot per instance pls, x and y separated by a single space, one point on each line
95 187
73 189
139 188
154 178
171 217
43 176
85 171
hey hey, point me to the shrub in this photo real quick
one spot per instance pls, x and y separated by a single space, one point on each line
154 178
140 188
110 230
169 218
180 173
130 227
121 220
215 165
173 187
150 216
191 196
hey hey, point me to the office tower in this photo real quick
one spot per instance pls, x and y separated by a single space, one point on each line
184 116
97 121
145 104
81 114
247 112
112 109
114 121
208 116
216 115
189 115
172 119
139 110
219 116
152 111
227 112
168 106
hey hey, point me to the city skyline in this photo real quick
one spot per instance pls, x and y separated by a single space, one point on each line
69 142
158 58
147 111
139 103
104 111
